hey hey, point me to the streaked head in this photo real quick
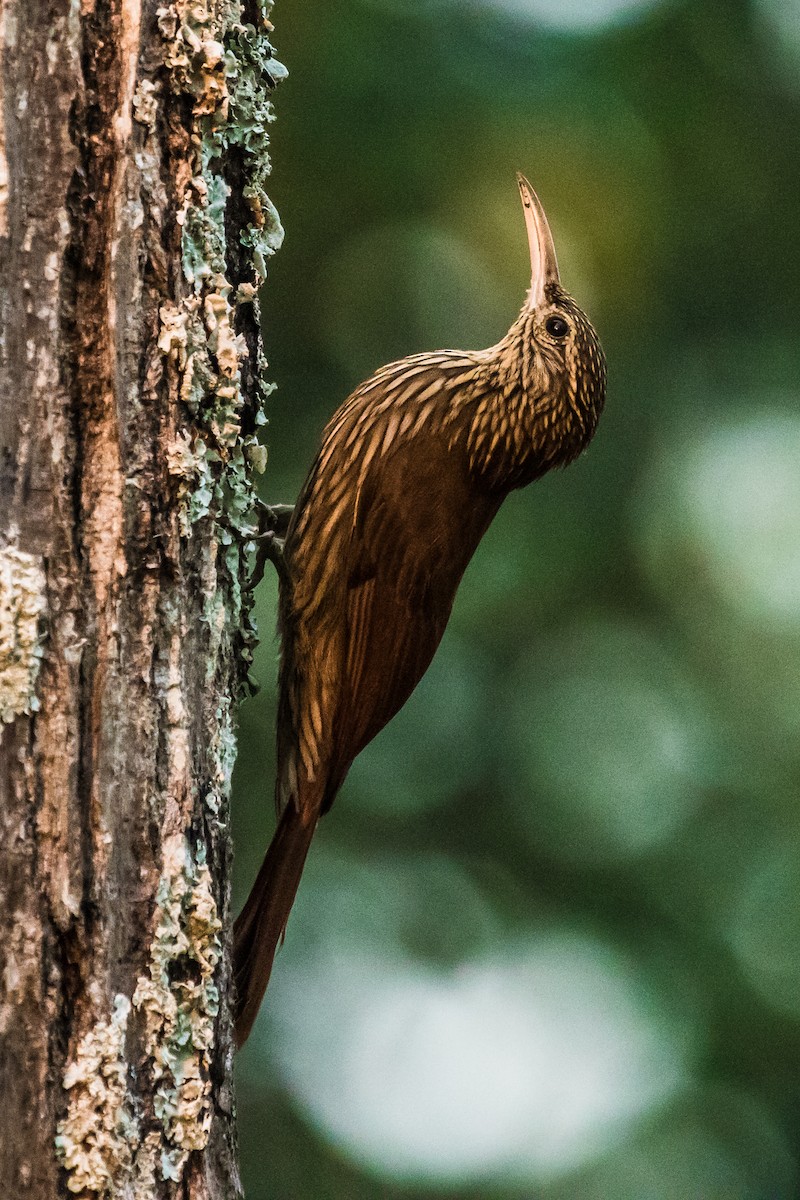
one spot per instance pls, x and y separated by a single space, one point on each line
560 347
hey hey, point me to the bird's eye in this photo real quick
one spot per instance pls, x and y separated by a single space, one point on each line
557 327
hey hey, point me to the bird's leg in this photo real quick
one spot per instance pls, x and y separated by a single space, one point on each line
273 522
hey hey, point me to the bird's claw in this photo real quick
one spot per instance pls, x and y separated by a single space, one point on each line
274 518
273 523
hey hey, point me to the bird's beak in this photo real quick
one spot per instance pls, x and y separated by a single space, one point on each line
544 264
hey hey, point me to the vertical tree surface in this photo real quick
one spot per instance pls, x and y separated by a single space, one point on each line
134 226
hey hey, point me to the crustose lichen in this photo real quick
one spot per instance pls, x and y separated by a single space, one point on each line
180 1001
100 1140
22 606
97 1138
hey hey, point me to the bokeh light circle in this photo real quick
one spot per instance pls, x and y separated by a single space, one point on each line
570 16
574 16
610 743
764 925
781 23
723 508
521 1060
716 524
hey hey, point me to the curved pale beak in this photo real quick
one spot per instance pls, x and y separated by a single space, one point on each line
544 264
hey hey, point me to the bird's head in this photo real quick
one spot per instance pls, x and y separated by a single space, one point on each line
561 360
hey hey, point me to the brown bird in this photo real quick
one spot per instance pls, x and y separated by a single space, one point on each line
413 468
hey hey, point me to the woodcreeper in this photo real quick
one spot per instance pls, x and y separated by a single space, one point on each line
413 468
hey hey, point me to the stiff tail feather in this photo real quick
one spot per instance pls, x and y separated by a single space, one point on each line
260 925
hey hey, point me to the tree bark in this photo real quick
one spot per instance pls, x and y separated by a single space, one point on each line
134 226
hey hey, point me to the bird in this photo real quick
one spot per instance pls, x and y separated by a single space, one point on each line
412 469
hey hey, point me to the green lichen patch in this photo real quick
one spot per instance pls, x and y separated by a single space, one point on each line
187 462
227 67
208 462
223 754
252 73
203 232
97 1138
22 607
180 1001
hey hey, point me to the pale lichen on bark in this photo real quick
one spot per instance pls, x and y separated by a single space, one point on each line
180 1001
97 1138
22 607
100 1141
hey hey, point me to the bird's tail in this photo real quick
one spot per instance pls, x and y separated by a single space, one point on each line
261 923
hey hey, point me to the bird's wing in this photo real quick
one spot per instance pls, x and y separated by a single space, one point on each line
416 526
398 601
375 551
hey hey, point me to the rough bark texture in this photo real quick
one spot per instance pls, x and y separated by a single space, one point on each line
133 230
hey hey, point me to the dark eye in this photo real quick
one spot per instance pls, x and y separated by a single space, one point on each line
557 327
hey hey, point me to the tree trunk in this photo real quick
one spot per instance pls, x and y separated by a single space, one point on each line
134 226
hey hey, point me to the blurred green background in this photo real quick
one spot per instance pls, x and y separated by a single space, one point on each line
548 942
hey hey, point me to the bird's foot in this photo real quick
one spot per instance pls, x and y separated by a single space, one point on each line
274 518
273 522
